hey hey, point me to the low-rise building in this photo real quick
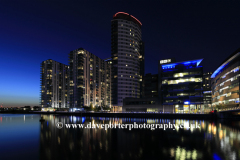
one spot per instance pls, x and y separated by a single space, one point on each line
181 86
225 82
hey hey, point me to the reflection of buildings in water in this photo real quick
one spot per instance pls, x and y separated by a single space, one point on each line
182 153
137 143
226 137
73 143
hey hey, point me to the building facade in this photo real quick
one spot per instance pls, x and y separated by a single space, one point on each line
181 86
225 82
89 80
151 85
146 104
127 53
54 91
207 92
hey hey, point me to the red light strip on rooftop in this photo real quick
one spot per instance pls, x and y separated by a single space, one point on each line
127 14
136 19
120 13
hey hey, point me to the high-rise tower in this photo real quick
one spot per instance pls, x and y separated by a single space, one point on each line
89 80
127 53
54 77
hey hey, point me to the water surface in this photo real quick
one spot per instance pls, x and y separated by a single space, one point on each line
24 137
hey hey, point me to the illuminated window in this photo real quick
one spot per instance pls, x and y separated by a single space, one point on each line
81 67
80 86
80 77
182 80
180 74
80 52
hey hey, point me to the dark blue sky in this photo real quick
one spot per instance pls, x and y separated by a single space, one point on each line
33 31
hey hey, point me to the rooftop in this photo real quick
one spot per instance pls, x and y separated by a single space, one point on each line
172 65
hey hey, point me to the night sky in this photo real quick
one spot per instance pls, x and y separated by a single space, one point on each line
34 31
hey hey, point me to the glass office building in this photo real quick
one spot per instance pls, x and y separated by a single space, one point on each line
181 86
225 82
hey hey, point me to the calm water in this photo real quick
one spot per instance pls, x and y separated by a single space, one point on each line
24 137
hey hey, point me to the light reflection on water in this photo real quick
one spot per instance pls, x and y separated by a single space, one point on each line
211 141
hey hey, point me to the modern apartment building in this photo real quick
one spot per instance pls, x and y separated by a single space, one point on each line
89 80
181 86
225 82
127 52
54 77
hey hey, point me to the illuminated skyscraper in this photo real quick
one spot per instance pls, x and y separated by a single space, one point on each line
54 77
127 53
89 81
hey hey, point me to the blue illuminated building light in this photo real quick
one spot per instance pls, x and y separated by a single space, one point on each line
172 65
186 102
217 71
216 157
83 119
207 92
235 70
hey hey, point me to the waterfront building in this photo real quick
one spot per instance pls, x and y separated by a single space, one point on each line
225 82
150 85
146 104
89 81
149 102
54 77
207 92
181 86
127 53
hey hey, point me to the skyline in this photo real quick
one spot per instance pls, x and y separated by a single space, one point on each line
37 31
